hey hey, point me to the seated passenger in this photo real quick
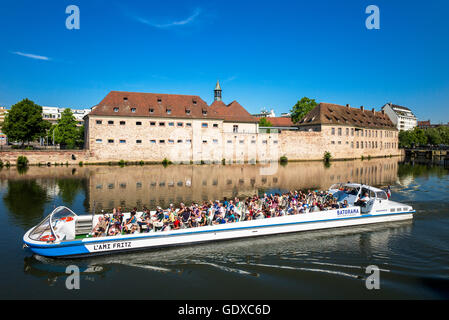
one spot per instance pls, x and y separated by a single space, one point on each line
131 222
101 226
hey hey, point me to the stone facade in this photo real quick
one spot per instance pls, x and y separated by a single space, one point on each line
184 129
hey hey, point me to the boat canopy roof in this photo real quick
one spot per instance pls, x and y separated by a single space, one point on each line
46 229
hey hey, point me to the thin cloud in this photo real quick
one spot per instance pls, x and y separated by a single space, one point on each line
186 21
31 56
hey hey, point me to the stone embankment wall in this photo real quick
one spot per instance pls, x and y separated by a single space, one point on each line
44 157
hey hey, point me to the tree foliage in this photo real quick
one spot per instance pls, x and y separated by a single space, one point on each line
66 132
264 122
24 122
420 137
301 108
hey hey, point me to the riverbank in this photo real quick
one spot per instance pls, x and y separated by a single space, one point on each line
83 157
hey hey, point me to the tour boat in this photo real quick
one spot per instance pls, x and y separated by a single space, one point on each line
65 234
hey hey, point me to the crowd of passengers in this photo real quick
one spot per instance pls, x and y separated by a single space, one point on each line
214 213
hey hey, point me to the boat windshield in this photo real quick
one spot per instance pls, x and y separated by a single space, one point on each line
44 231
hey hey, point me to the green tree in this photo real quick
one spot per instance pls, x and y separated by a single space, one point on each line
24 122
66 132
301 108
264 122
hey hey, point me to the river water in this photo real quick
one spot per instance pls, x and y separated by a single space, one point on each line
413 256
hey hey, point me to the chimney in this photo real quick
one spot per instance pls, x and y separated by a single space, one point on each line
374 111
348 105
362 108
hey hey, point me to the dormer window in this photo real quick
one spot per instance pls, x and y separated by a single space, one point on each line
159 100
194 101
204 112
151 110
187 111
168 111
115 109
125 99
133 109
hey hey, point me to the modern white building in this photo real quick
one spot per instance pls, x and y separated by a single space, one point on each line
53 114
402 117
264 113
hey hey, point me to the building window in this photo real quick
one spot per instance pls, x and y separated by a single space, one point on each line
188 124
138 123
339 131
179 141
215 141
99 121
110 140
138 141
179 124
171 141
110 122
188 141
215 125
122 123
152 141
264 141
98 141
332 142
161 124
161 141
122 141
171 124
152 123
204 125
275 142
204 141
229 141
347 131
352 132
241 141
235 128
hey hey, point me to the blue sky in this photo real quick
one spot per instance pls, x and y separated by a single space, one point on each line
265 53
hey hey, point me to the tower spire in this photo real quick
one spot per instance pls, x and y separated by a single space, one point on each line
217 92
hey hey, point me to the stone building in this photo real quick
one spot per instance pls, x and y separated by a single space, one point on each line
349 132
184 128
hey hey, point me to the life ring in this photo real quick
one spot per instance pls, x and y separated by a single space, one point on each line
47 238
67 219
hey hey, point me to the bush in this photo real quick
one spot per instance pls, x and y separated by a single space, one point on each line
141 162
327 156
283 159
22 162
1 164
166 162
122 163
223 161
80 163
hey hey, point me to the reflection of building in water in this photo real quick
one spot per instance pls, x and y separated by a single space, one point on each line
153 186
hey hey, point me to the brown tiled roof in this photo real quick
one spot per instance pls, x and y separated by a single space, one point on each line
232 112
280 121
168 106
154 105
327 113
